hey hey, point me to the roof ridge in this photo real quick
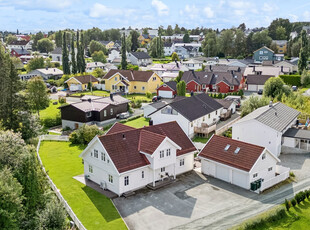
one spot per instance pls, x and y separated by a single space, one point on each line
243 142
266 110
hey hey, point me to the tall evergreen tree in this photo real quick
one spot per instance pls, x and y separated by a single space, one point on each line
78 57
65 56
134 40
304 53
124 57
58 38
83 67
73 60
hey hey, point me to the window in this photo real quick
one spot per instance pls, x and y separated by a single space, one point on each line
231 88
105 113
154 78
135 87
162 169
91 154
95 153
168 152
88 114
203 119
126 180
143 87
263 156
191 124
103 156
115 78
215 112
142 174
110 178
161 154
111 111
108 161
269 169
261 52
255 175
90 169
209 115
227 147
181 162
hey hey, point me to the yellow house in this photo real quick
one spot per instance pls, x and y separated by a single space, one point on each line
108 44
144 39
80 83
281 45
131 81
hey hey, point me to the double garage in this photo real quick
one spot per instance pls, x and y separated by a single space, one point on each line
226 173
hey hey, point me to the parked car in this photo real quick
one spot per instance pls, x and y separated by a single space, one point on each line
156 98
294 88
123 115
260 92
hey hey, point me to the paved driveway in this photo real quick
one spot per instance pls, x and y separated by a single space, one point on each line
298 163
197 202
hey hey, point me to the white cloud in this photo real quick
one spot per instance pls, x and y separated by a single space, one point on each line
99 10
191 11
47 5
267 7
237 4
293 17
208 12
239 12
162 8
222 2
306 15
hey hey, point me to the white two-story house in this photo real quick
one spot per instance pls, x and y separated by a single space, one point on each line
126 159
197 115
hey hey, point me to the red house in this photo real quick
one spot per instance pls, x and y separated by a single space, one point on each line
221 82
19 52
167 90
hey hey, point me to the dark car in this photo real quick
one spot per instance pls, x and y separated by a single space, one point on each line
294 88
260 92
156 98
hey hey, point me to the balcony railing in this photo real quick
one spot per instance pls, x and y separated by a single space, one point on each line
205 128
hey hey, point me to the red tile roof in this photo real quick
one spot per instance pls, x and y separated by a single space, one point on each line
124 143
244 159
130 75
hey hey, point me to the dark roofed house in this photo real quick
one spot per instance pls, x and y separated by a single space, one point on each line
126 159
94 110
139 58
249 166
196 115
20 44
19 52
256 82
222 82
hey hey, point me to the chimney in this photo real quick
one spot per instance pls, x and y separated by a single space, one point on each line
111 96
150 122
270 104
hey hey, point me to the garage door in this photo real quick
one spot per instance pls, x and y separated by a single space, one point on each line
165 94
75 87
252 88
239 179
222 173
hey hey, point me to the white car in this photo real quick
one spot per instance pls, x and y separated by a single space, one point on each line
123 115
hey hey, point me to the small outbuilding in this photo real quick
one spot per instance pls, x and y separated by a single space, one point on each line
167 90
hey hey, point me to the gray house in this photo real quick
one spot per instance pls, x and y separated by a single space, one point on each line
47 73
266 54
139 58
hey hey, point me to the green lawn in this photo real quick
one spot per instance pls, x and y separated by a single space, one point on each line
201 139
52 133
62 162
138 123
141 97
297 217
51 111
101 93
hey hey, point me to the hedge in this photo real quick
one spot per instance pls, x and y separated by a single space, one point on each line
291 79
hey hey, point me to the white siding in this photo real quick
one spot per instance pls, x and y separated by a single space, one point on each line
257 133
208 167
188 163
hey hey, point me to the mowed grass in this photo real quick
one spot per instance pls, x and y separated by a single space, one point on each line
141 97
50 112
100 93
138 123
62 162
297 217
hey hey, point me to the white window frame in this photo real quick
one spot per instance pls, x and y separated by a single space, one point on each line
168 152
88 114
90 169
182 162
264 156
115 78
232 87
102 156
111 179
161 153
96 155
269 169
143 88
111 111
126 180
142 174
163 169
255 175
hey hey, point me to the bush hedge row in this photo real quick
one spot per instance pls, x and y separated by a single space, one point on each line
291 79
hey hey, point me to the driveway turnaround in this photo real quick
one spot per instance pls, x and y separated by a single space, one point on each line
198 202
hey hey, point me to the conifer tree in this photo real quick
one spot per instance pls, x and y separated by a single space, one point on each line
65 56
73 60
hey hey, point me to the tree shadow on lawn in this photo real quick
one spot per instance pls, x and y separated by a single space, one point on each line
102 203
79 146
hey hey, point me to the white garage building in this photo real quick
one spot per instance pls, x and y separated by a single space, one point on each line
245 165
256 82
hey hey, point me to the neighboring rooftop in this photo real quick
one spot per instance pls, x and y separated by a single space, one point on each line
130 75
277 116
224 150
297 133
94 64
141 55
19 43
257 79
50 71
84 79
21 51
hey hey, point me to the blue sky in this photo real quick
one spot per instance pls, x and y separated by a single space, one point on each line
35 15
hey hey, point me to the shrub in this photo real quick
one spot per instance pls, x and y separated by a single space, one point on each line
307 193
240 93
293 202
62 100
305 78
287 205
148 94
220 96
51 122
291 79
136 104
84 134
292 174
